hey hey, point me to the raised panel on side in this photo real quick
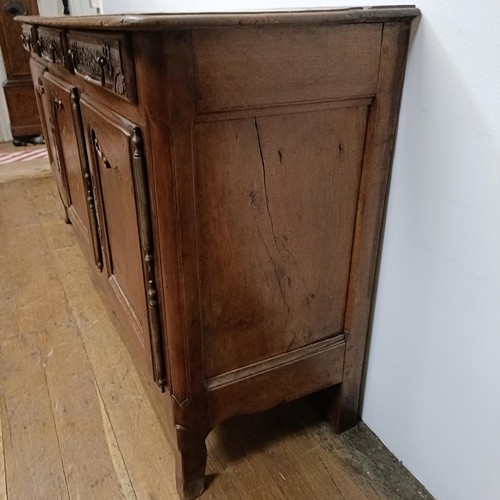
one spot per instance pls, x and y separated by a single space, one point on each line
276 208
250 67
108 138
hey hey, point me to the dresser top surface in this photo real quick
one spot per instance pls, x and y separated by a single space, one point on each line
131 22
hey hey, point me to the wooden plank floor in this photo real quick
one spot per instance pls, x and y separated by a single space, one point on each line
75 421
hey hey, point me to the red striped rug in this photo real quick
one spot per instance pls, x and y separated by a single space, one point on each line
23 155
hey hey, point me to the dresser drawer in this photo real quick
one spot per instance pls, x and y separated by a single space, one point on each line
104 59
51 45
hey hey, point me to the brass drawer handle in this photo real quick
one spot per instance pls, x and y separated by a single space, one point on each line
51 49
52 52
104 66
26 40
71 59
58 103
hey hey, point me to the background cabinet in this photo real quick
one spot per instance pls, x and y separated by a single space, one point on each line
18 88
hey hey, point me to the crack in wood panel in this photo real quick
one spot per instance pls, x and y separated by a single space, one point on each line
276 209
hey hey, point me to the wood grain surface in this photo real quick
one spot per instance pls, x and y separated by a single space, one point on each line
76 420
200 21
271 230
248 181
262 66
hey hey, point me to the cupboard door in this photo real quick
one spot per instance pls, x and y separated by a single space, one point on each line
68 137
114 148
49 129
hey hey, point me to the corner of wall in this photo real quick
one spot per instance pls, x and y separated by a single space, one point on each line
5 134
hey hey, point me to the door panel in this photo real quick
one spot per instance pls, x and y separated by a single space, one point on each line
49 129
37 70
108 139
64 111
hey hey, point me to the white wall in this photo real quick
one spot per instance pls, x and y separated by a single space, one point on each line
5 134
81 8
433 380
50 8
152 6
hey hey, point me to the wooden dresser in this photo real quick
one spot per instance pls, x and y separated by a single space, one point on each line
226 175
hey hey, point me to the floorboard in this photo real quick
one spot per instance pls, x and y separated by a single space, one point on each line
75 420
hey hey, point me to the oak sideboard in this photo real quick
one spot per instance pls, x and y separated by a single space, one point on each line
226 175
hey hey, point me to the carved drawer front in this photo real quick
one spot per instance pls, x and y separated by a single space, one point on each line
28 37
105 60
51 45
37 70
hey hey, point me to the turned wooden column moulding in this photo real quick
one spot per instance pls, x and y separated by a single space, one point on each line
226 175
